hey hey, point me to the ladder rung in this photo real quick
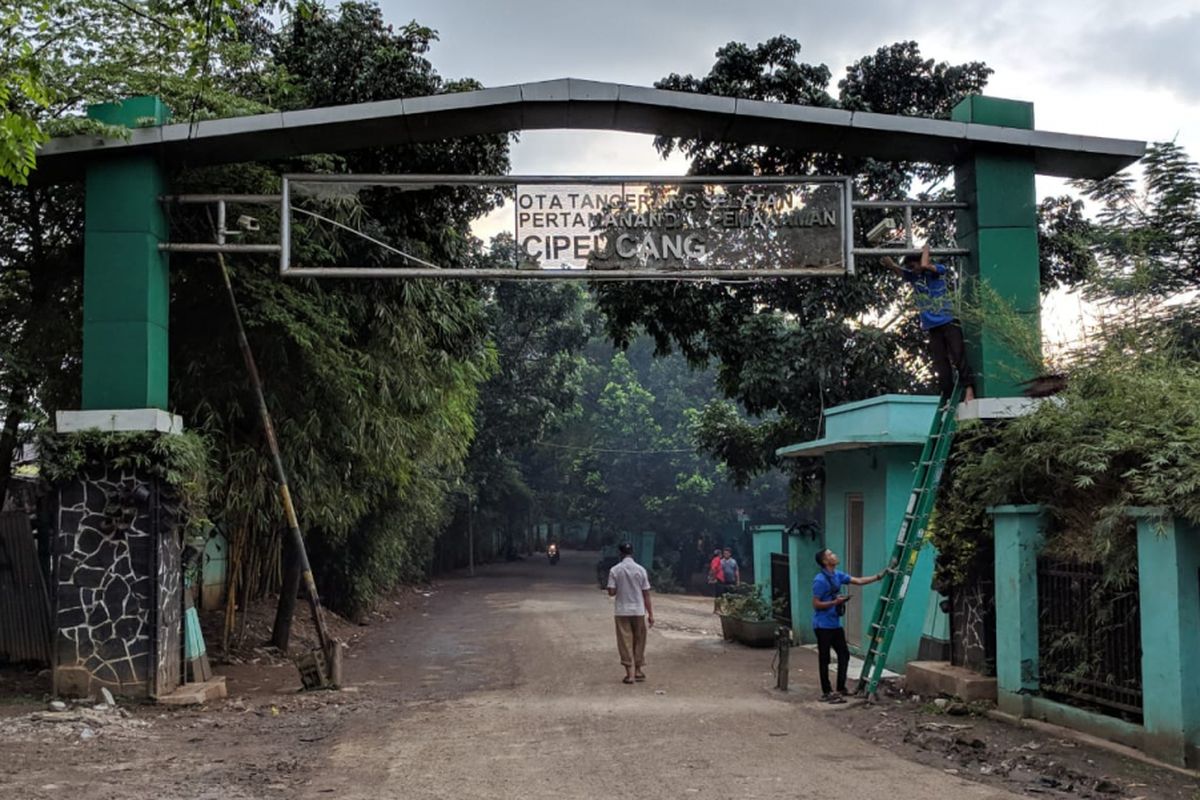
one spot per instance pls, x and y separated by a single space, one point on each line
911 538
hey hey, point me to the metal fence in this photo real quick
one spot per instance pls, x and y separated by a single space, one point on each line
24 602
1089 640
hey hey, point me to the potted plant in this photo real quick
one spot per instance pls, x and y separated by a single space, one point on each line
746 616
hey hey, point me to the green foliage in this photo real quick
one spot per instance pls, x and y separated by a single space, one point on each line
538 331
1126 432
628 461
1147 238
183 462
56 56
1064 243
745 601
1146 241
787 349
982 307
373 386
663 579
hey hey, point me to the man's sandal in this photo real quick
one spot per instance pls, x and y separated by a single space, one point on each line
639 677
627 679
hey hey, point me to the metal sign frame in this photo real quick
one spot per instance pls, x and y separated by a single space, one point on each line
427 270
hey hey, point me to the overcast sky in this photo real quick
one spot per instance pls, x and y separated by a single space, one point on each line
1100 67
1115 68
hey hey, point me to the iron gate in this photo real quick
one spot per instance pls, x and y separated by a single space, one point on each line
781 588
1089 639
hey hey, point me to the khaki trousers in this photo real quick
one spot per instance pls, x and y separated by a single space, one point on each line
631 640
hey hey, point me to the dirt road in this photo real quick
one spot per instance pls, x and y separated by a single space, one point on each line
506 685
510 688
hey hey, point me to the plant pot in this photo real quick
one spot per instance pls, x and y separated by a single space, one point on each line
752 633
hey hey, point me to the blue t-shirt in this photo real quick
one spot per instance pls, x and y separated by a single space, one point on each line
728 570
933 298
826 586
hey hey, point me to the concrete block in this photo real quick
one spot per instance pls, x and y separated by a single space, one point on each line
940 677
997 407
194 694
72 682
114 420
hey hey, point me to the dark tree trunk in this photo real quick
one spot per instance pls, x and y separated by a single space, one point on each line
8 438
282 632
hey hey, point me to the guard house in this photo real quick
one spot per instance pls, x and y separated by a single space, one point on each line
870 448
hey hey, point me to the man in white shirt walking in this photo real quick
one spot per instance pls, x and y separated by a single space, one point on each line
628 583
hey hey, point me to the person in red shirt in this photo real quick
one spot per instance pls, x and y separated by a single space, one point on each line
714 577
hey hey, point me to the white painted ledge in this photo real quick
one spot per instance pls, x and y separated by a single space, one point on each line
119 420
854 669
997 407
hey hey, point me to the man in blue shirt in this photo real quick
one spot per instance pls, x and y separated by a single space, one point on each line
937 318
829 604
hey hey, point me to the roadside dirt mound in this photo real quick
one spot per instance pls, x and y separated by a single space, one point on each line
249 641
962 740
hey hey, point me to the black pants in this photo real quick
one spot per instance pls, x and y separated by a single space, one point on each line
949 356
834 638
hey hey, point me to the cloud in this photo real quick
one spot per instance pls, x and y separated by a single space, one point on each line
641 41
1099 67
1162 54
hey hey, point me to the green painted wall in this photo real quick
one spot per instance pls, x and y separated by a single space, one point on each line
907 643
767 540
1169 588
1000 230
883 476
126 285
800 575
643 548
1019 533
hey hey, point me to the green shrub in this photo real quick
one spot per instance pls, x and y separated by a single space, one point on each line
183 461
1126 432
745 601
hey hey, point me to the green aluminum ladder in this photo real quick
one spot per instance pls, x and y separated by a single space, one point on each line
908 545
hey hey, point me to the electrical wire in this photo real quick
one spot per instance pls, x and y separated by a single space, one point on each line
612 450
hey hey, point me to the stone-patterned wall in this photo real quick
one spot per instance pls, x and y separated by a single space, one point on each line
116 585
169 645
973 627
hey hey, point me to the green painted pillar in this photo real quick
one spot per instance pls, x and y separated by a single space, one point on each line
644 548
1000 230
1019 532
765 540
802 568
1169 595
125 279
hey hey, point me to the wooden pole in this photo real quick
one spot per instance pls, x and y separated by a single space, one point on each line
310 585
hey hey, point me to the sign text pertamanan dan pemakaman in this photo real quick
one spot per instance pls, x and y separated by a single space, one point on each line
679 226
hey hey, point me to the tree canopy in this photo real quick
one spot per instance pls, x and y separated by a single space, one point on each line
373 386
786 349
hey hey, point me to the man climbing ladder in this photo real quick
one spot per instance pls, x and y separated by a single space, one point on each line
908 545
931 294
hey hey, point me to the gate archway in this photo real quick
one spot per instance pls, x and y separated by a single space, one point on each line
992 144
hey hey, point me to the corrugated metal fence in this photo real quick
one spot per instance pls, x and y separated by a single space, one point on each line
24 603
